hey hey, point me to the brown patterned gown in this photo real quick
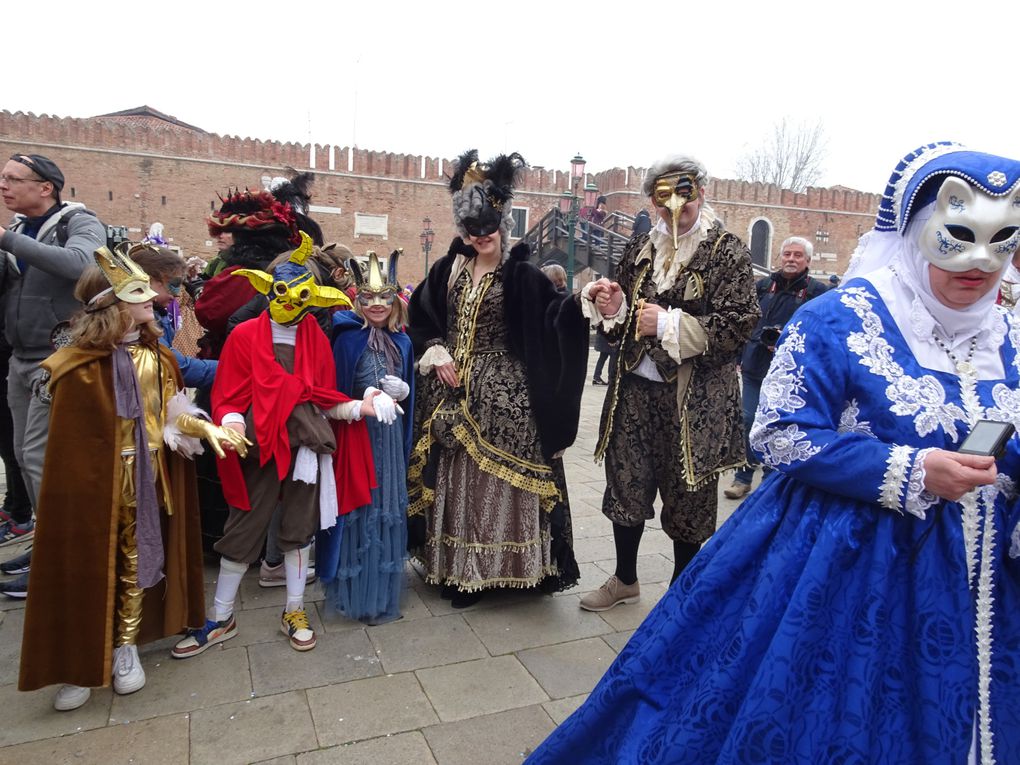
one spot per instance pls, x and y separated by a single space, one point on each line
487 520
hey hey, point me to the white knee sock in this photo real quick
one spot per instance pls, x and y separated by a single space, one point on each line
227 585
295 563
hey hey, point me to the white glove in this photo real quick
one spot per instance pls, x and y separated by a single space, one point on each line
385 407
394 387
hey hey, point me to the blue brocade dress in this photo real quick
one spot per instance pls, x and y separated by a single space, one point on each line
843 614
369 579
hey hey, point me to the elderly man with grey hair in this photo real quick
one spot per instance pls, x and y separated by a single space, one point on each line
779 295
682 310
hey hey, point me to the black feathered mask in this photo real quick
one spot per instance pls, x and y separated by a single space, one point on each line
482 194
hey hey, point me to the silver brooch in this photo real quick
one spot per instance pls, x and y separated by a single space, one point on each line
996 178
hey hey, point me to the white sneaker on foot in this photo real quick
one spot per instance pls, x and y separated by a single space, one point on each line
128 675
276 576
70 697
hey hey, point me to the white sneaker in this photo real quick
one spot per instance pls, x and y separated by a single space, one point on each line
71 697
128 675
276 576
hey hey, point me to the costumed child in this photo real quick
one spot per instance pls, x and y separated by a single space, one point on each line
276 381
117 558
361 561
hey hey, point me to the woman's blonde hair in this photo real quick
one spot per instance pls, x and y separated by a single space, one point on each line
104 329
398 316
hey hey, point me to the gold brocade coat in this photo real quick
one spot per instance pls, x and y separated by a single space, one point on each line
68 634
717 289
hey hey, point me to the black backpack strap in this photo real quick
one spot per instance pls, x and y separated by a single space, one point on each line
65 218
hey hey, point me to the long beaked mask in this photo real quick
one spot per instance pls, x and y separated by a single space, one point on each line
291 288
673 191
373 287
970 229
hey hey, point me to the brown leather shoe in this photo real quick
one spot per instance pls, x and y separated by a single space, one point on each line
737 490
612 593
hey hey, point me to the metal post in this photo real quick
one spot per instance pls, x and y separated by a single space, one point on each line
571 244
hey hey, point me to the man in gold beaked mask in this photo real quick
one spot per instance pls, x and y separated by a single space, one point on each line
682 307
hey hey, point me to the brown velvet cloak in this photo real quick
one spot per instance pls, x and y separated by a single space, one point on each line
69 616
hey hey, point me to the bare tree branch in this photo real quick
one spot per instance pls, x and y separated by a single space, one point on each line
792 157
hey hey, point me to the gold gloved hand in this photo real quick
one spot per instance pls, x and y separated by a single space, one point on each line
216 435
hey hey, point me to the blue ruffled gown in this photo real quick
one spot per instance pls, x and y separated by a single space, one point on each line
361 561
842 615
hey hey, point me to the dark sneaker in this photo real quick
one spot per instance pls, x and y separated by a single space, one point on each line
17 565
205 637
11 532
16 588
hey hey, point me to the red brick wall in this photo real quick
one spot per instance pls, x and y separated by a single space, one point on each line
141 164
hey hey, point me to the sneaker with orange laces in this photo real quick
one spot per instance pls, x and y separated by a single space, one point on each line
294 624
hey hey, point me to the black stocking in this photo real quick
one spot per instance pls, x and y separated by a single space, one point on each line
627 539
683 552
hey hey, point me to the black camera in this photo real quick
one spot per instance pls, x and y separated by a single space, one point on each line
770 336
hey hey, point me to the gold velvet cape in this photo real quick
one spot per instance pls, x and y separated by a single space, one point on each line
69 616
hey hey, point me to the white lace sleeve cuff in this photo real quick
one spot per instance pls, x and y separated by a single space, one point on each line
681 335
591 313
894 482
918 499
434 357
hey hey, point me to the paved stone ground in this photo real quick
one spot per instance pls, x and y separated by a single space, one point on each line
485 684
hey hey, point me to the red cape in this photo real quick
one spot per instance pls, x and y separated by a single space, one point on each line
248 376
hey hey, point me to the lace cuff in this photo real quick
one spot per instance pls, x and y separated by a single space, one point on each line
591 313
918 498
681 335
434 357
1014 544
895 478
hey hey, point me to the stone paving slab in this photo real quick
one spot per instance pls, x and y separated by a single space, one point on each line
560 709
402 749
459 691
568 669
499 739
365 709
257 729
31 716
10 645
336 658
543 621
412 645
161 741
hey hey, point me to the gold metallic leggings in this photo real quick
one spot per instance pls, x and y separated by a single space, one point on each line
128 593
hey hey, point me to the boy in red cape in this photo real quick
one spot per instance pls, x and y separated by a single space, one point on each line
276 384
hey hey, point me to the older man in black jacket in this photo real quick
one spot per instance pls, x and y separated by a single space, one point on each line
780 295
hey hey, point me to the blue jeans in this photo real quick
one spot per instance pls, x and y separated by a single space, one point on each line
749 395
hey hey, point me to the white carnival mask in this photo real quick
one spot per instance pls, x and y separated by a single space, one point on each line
970 229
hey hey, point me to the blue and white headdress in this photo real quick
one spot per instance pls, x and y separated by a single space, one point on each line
916 180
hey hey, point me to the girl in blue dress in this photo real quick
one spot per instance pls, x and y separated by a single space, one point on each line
361 560
864 605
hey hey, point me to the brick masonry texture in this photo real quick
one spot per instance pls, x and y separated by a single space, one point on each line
134 171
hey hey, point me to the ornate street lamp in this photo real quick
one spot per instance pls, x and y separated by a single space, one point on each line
425 237
572 201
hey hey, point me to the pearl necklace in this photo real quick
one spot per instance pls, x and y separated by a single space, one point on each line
962 367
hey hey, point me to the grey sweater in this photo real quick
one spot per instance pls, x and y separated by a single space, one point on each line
40 293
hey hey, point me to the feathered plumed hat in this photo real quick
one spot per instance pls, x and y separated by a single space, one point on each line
482 194
256 212
297 192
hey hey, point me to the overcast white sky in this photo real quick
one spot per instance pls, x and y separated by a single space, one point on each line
620 82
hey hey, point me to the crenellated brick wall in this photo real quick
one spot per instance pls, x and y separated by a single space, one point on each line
134 173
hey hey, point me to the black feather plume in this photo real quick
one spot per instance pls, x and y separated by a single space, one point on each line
463 163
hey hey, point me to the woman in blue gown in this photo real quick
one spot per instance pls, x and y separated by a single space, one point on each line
863 606
361 560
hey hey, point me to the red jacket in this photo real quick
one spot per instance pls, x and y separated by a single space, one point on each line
249 376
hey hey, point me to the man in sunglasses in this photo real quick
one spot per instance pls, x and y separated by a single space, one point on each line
47 247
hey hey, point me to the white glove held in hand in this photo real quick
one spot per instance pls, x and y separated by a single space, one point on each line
385 407
394 387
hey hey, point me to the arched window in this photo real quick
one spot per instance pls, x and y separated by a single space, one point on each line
761 241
